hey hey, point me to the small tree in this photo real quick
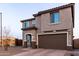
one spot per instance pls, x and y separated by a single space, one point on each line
6 33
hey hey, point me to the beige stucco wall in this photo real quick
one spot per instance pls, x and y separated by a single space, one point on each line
38 23
43 23
65 21
32 32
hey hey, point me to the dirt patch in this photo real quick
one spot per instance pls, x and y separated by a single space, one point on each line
11 51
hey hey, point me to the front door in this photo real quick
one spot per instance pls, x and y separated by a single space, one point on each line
28 38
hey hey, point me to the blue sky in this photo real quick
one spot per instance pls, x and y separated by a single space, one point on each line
12 13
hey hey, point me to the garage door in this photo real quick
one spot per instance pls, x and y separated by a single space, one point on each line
52 41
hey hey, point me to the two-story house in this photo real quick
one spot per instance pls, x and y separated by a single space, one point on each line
51 29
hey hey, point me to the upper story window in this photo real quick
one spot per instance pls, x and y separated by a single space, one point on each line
55 17
26 24
33 22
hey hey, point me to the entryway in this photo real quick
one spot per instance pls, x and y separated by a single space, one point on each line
29 40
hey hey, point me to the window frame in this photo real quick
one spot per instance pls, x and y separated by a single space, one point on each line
33 22
51 18
24 24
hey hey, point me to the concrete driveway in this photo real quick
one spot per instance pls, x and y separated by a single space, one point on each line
42 52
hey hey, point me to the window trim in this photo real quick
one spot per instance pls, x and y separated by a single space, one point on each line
33 22
51 18
24 24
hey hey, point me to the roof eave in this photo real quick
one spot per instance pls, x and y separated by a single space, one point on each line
53 9
27 19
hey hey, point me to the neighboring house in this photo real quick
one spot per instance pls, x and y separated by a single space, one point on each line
10 41
51 29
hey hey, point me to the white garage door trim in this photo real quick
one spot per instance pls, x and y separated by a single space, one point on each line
55 33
